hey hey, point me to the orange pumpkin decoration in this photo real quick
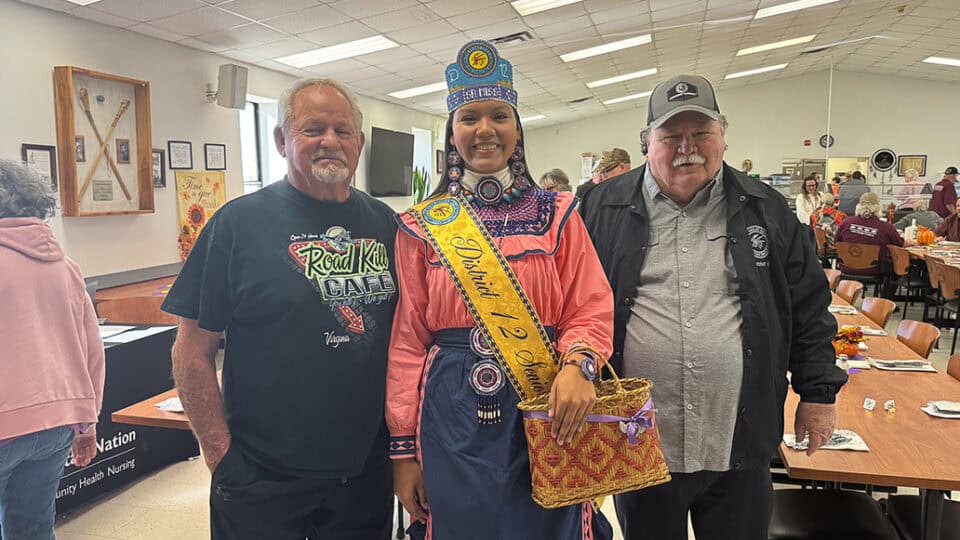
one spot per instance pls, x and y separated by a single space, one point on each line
851 349
924 236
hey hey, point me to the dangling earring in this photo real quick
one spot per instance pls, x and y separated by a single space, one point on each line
518 168
454 172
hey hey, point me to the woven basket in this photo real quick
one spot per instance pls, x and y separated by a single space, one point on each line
600 460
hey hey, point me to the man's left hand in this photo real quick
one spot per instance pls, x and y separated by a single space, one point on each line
818 419
571 399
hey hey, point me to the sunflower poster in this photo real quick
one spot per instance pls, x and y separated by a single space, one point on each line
199 195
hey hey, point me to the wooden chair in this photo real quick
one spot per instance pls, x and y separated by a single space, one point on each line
906 274
863 260
919 336
849 290
833 277
953 366
949 289
878 309
933 275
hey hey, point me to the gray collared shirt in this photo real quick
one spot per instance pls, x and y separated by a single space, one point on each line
684 332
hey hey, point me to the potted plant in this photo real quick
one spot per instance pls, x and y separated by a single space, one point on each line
421 184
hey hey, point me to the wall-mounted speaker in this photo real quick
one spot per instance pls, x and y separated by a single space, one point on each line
232 86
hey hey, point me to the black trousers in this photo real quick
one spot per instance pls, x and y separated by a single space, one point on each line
250 502
732 505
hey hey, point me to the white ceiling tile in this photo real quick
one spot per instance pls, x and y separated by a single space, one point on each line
92 14
552 16
281 47
259 9
386 59
414 34
497 30
576 29
199 21
369 8
146 10
247 34
483 17
593 6
340 33
242 56
56 5
203 46
453 8
153 31
415 16
627 12
449 44
307 20
337 67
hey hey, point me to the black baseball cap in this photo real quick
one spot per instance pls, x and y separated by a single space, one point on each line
679 94
950 170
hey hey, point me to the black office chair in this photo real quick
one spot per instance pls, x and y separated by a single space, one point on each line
827 514
904 512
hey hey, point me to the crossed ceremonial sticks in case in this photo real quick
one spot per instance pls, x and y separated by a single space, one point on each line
85 105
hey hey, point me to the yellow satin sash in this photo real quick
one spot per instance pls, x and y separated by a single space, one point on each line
490 289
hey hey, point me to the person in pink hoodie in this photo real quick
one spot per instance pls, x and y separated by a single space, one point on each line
51 355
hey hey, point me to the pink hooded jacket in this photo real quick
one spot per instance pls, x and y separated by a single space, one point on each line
51 355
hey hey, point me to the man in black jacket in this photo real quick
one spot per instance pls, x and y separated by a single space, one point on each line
718 294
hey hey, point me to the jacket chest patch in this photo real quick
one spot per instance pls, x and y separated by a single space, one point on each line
759 242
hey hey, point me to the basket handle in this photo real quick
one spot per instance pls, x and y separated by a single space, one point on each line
616 379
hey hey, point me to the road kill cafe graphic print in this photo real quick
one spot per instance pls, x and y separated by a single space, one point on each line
348 273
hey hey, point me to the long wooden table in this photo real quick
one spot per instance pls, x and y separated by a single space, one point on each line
146 413
136 303
907 447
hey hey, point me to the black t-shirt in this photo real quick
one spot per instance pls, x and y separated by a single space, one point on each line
305 291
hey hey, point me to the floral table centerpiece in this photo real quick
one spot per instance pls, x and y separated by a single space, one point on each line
847 341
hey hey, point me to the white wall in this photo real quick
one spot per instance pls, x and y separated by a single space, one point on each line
34 40
769 122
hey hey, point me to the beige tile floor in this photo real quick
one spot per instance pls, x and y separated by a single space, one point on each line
172 503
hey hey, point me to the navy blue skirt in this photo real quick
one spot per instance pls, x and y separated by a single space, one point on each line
477 477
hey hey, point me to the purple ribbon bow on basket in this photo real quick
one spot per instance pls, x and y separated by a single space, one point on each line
632 426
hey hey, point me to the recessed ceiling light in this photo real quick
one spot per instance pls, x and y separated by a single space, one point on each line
627 98
419 91
941 60
776 45
529 7
83 2
790 6
755 71
533 118
621 78
338 52
607 48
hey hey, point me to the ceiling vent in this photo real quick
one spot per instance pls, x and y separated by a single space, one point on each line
512 39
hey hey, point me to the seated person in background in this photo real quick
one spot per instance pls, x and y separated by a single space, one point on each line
555 180
850 192
866 228
809 200
921 213
908 192
827 217
949 229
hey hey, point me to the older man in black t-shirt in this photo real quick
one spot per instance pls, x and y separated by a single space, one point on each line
300 278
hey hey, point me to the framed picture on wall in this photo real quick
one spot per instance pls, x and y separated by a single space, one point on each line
180 154
916 161
439 161
159 173
215 157
41 158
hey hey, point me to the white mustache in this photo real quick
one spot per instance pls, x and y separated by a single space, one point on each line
322 154
691 159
